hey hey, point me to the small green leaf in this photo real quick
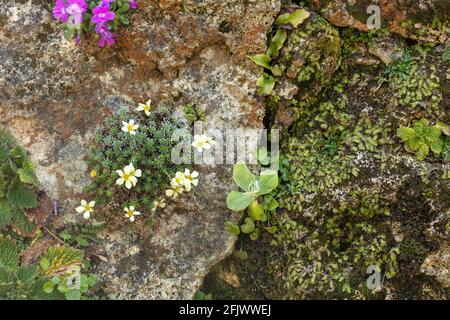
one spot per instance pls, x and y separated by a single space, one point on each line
272 205
56 280
26 173
254 235
262 60
248 226
276 43
271 229
44 263
232 228
48 287
265 84
295 18
240 254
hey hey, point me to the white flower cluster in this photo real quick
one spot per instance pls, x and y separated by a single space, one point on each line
183 181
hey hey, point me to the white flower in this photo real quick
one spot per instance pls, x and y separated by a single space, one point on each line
130 127
86 208
175 191
131 213
145 107
202 142
190 178
179 180
128 176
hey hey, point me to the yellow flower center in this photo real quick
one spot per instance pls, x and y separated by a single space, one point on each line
130 127
127 176
87 208
130 213
147 108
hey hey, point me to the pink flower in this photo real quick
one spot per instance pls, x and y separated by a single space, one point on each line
107 38
133 4
59 11
102 14
77 8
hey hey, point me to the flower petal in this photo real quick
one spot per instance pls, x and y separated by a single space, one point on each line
80 209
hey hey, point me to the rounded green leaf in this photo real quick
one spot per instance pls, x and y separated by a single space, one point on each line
238 201
73 294
248 226
268 181
242 176
256 212
48 287
232 228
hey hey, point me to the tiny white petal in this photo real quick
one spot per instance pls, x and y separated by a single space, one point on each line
80 209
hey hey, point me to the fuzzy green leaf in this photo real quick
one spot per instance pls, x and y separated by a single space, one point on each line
26 173
242 176
238 201
268 181
21 196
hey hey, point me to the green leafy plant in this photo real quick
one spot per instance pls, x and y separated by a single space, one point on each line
254 189
17 185
422 137
63 266
192 113
149 150
199 295
81 235
17 281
